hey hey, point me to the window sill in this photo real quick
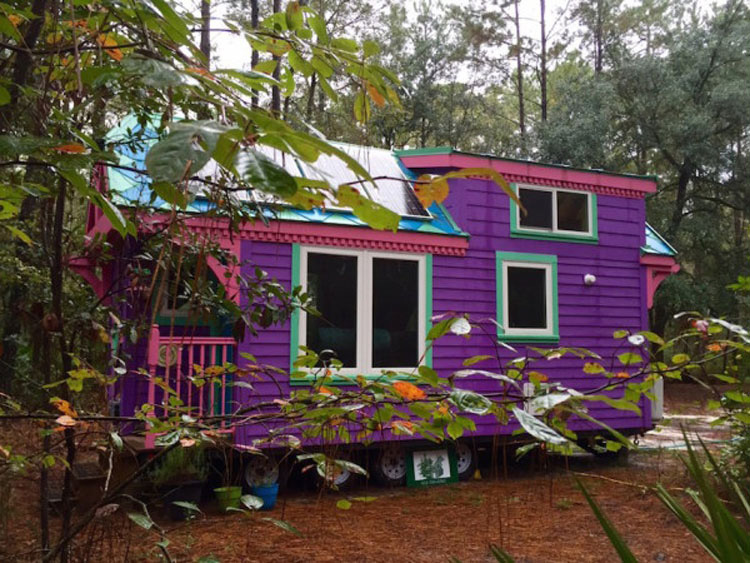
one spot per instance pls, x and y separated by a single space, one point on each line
309 379
530 338
582 239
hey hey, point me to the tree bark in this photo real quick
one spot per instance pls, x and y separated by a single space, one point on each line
275 91
686 173
254 57
543 62
598 38
519 73
206 31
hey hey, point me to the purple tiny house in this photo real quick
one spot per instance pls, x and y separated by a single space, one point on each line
581 264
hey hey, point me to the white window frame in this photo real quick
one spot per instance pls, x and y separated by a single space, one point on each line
364 304
555 229
549 330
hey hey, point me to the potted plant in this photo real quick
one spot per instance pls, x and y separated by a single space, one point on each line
179 477
230 492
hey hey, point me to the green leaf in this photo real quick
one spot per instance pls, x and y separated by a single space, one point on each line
361 107
629 358
264 174
455 429
469 401
343 504
370 48
4 96
294 19
141 519
183 152
620 334
476 359
318 25
365 499
593 368
299 64
537 428
428 375
345 44
19 234
371 212
284 525
440 329
170 193
189 506
680 359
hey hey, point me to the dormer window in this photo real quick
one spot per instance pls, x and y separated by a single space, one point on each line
553 213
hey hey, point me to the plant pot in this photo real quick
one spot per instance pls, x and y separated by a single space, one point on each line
228 497
189 491
268 493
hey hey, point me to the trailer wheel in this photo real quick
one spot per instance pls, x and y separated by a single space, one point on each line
338 477
260 470
466 461
390 467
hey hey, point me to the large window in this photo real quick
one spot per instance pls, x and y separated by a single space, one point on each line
553 213
372 307
527 297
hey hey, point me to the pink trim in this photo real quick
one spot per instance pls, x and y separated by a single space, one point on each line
330 235
658 268
531 173
86 268
153 362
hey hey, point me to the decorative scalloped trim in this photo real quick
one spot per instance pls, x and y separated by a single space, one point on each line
603 190
351 242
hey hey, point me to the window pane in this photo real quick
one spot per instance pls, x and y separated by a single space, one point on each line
395 313
538 206
332 284
573 212
527 297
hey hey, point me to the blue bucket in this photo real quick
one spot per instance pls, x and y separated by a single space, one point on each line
268 493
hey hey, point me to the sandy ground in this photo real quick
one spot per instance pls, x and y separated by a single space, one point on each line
536 513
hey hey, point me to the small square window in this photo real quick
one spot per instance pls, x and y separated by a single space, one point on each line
527 297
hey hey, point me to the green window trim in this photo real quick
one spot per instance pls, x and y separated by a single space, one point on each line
516 231
310 378
523 257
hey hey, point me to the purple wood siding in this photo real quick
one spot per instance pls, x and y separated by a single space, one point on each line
272 345
588 315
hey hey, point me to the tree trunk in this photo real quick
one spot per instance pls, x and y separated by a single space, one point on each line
254 57
543 62
598 38
686 173
275 91
519 73
206 31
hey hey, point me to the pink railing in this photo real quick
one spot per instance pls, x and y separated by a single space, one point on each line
173 359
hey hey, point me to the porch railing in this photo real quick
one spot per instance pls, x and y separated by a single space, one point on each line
173 360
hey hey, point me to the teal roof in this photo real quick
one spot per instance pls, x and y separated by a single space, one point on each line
656 244
131 143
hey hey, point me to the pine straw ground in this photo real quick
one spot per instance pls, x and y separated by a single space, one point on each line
538 516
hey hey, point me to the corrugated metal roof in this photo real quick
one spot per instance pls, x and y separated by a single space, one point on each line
656 244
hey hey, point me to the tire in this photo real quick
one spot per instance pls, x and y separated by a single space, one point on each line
338 478
260 469
466 461
390 467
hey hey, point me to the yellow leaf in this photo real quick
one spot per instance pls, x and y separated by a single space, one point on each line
64 407
72 148
110 46
14 19
429 189
408 390
376 96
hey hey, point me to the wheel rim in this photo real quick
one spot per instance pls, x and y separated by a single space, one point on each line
261 470
337 475
464 458
393 463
